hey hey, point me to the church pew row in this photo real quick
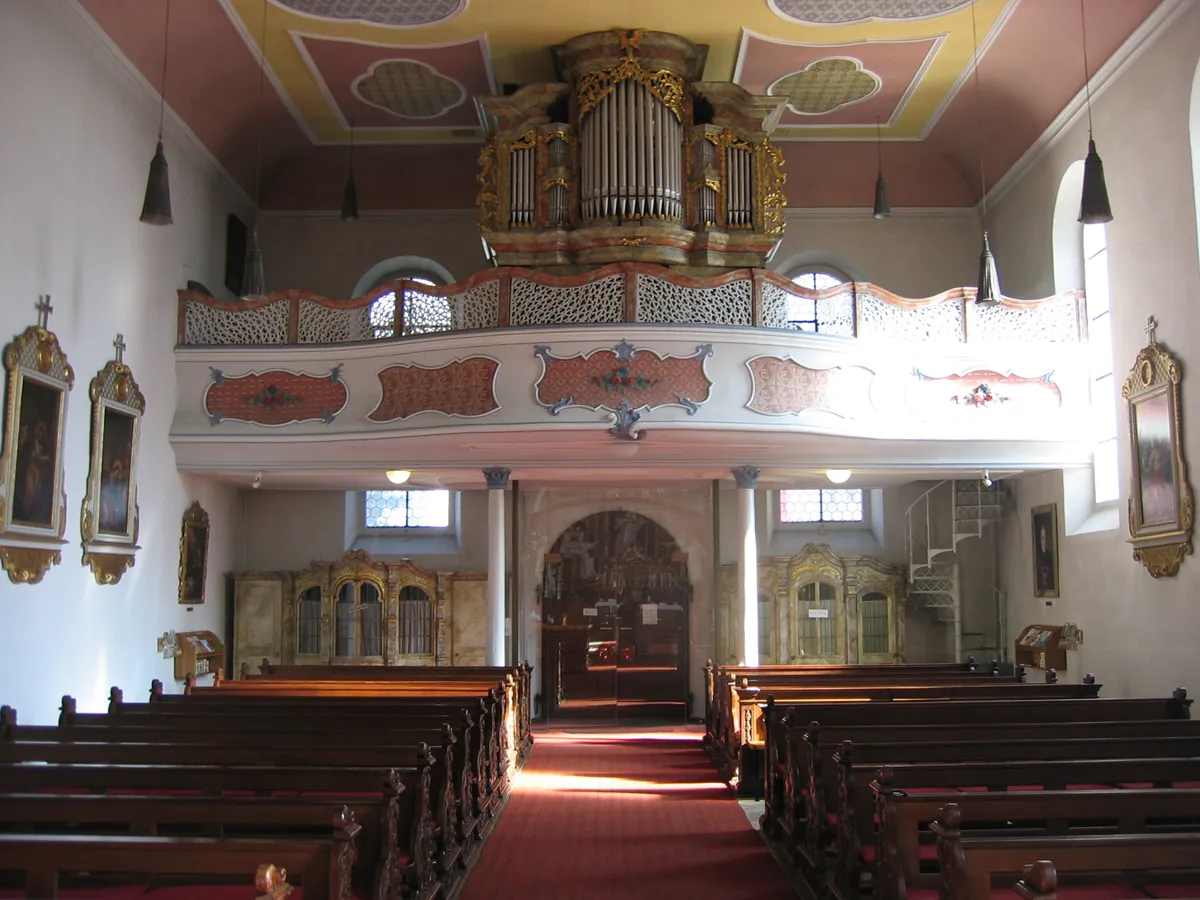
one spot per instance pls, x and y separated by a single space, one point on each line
223 834
521 677
1125 865
849 826
719 680
903 858
322 865
363 696
741 752
409 861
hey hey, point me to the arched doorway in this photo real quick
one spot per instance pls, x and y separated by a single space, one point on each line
616 592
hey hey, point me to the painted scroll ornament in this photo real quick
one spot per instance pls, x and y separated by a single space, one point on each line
622 378
782 386
982 392
465 387
275 397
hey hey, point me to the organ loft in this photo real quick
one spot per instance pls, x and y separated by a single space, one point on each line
629 156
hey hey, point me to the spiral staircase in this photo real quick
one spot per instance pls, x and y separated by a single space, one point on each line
947 514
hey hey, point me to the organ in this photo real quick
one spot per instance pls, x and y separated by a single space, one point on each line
631 157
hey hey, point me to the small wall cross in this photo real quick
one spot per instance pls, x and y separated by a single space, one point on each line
119 344
1150 328
44 309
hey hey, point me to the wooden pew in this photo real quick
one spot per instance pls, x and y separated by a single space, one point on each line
322 865
972 865
402 801
902 819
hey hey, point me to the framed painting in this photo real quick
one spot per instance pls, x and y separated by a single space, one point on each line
109 519
1160 499
1044 520
193 555
32 496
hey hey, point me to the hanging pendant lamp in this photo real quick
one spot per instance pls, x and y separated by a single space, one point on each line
253 280
350 192
883 209
987 293
1094 207
156 206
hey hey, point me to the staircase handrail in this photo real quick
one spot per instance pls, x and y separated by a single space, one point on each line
908 531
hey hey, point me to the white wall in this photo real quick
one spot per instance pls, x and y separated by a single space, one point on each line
79 133
1139 632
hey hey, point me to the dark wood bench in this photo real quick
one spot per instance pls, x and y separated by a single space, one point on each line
904 854
972 866
323 867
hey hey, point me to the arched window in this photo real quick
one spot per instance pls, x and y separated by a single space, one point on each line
423 313
1195 129
309 625
817 620
416 622
1104 403
359 614
809 314
874 630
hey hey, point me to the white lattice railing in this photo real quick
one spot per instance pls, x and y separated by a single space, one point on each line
627 292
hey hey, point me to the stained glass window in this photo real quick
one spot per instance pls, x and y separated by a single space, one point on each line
826 505
407 509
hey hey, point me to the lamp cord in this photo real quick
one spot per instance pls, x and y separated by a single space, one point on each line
979 116
162 85
879 143
1087 78
262 80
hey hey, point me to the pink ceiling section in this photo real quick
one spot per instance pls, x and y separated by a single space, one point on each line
1028 75
896 64
212 80
339 63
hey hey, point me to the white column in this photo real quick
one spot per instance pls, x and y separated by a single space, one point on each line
497 481
747 478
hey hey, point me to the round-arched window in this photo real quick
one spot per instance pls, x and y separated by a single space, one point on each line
832 316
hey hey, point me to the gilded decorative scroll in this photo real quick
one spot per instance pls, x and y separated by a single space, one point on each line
769 181
32 496
1161 510
487 199
109 520
667 87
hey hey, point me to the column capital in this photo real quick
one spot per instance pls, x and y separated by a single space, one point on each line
497 478
746 476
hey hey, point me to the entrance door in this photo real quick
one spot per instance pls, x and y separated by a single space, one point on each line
615 596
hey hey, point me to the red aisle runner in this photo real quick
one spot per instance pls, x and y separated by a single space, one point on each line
623 815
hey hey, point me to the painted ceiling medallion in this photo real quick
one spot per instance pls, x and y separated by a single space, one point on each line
409 89
847 12
826 85
399 13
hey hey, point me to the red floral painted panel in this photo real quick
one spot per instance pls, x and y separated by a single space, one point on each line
277 397
465 387
603 379
983 390
783 386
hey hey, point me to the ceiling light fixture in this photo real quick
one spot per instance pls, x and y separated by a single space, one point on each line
838 476
988 291
156 206
883 209
1094 208
398 476
350 192
254 282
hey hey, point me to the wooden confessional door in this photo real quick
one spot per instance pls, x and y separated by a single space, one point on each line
616 597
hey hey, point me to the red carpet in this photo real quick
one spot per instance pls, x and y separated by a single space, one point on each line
623 813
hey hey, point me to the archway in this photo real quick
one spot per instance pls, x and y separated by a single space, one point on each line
616 596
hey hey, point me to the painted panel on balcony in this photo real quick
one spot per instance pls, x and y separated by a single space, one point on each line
981 392
465 387
637 378
782 386
275 397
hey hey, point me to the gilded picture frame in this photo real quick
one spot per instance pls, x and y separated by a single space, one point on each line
33 497
193 555
1161 510
109 518
1043 522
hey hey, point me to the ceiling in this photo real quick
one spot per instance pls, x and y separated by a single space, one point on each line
405 72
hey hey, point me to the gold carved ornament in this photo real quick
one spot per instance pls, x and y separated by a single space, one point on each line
1160 548
667 87
486 201
771 200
